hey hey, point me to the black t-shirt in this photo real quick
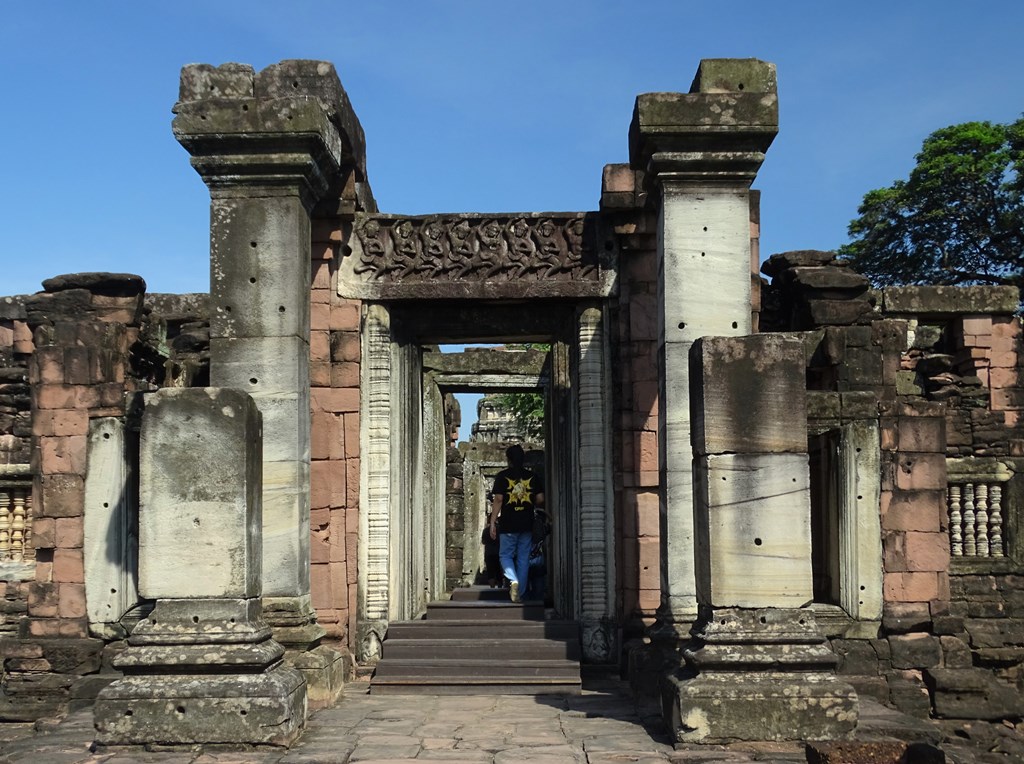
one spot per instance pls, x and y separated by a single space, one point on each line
518 489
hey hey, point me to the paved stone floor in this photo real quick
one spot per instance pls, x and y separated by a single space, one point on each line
601 726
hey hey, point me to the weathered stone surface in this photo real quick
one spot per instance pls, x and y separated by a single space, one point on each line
950 300
110 284
753 530
972 694
188 709
199 506
782 261
748 395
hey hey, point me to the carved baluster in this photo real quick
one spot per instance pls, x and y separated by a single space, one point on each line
956 539
995 519
18 525
5 524
970 546
981 518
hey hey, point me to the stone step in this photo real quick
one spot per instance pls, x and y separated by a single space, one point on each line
486 686
481 649
475 671
484 610
470 628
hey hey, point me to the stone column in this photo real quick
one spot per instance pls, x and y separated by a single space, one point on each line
700 152
763 669
202 668
269 146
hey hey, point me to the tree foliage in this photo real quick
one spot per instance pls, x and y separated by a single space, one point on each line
956 220
527 409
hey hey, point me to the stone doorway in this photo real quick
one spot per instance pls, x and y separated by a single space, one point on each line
402 528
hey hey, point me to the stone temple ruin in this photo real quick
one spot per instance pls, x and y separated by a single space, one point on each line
770 498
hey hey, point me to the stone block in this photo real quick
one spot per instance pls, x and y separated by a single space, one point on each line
748 395
910 586
927 551
260 365
265 708
915 511
972 694
753 531
199 515
951 300
68 566
920 471
914 651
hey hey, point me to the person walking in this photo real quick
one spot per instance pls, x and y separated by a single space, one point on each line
517 492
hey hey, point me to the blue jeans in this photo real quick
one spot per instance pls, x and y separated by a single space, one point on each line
514 553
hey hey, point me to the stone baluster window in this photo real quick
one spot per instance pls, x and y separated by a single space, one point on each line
976 505
15 522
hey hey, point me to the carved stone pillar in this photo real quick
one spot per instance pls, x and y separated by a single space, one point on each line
269 146
700 152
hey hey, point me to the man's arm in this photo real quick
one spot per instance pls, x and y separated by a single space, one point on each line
495 509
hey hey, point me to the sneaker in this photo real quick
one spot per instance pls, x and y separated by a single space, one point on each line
513 591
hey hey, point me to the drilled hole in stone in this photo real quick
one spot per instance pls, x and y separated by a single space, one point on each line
195 522
152 621
128 712
802 621
245 107
740 86
202 116
252 244
195 619
280 308
702 254
723 477
106 436
735 325
862 588
859 498
764 620
295 84
758 542
705 228
682 324
106 504
180 709
722 622
227 308
243 712
253 380
252 279
231 620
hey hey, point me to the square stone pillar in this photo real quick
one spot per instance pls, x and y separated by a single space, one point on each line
269 147
700 152
758 667
202 668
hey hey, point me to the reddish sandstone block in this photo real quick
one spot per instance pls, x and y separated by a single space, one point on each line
351 557
320 374
319 546
338 401
927 551
110 394
351 436
618 178
1005 359
345 346
337 539
320 434
351 521
922 434
320 585
1001 377
345 374
351 483
646 445
345 315
22 338
914 511
649 600
910 587
920 471
60 422
648 479
1008 398
648 511
336 446
44 571
43 599
47 366
43 627
649 571
78 365
54 396
65 456
68 567
320 316
72 601
325 229
76 628
320 346
69 532
320 478
339 489
321 275
977 324
44 533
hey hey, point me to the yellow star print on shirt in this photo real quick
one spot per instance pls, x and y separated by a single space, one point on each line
520 492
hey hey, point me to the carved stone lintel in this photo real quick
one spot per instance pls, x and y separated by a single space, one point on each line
390 255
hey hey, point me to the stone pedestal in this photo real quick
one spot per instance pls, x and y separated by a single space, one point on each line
758 667
761 674
202 667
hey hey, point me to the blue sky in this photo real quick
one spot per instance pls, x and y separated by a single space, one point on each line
468 105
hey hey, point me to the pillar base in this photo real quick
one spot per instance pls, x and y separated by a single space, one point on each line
189 709
325 671
764 674
293 621
775 706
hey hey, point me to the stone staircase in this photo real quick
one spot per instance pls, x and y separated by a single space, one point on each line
480 643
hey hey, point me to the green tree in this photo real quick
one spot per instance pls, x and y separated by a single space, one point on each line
527 409
956 220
